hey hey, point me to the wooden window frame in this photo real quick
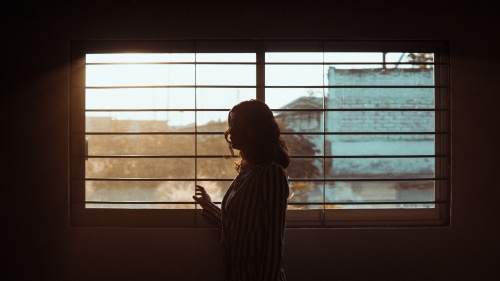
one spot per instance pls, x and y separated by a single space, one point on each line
80 216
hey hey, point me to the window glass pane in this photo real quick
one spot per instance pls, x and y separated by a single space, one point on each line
381 168
128 205
176 191
353 57
140 145
140 57
294 98
229 74
330 217
139 75
290 57
306 192
215 168
305 212
300 121
148 121
380 121
305 168
140 191
410 58
216 189
211 121
357 145
222 98
140 98
369 75
367 192
212 145
304 145
226 57
380 98
139 168
295 75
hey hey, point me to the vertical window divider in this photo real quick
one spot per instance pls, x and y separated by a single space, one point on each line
323 217
261 74
196 223
437 128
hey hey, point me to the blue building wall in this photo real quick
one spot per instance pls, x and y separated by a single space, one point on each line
381 121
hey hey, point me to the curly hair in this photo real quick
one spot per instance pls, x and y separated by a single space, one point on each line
267 145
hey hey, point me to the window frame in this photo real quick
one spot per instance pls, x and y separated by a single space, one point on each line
320 218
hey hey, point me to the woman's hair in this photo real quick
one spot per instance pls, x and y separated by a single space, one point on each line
267 144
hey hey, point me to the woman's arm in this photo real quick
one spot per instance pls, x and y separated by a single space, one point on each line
275 194
210 212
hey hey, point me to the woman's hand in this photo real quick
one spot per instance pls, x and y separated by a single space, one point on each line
201 196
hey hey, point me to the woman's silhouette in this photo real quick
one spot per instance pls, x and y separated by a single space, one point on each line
252 215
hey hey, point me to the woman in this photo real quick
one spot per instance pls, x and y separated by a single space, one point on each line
252 215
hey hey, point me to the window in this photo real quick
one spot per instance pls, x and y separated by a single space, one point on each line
367 124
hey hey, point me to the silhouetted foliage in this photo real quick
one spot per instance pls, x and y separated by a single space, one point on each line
421 59
146 166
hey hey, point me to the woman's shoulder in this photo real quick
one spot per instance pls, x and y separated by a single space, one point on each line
269 167
272 174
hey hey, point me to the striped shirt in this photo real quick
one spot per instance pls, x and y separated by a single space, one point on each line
252 219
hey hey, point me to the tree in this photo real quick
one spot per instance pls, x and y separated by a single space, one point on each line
421 59
179 168
300 168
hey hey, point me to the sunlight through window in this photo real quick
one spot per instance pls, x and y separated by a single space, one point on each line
368 131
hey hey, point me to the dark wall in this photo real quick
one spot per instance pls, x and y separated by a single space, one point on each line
42 246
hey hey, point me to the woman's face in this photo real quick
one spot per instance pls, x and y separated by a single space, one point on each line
237 132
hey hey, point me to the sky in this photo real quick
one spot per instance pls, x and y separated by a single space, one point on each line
124 71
